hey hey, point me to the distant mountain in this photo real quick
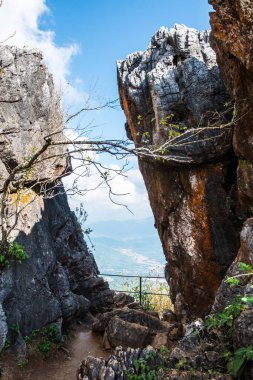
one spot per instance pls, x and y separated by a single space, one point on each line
126 229
128 247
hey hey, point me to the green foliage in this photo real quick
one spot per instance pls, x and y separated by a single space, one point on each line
142 370
155 301
15 329
139 118
51 337
246 268
82 216
46 339
12 252
22 363
145 368
7 344
181 363
164 350
238 359
27 339
232 281
224 321
44 346
227 316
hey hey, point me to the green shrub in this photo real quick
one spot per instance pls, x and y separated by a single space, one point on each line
50 338
223 322
12 252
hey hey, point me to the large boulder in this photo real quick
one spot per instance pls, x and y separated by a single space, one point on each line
133 316
126 334
169 94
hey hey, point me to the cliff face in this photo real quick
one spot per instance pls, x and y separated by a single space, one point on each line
232 32
59 280
166 93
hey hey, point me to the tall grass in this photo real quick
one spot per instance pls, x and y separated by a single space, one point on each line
158 301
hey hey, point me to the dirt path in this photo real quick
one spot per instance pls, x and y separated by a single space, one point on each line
63 365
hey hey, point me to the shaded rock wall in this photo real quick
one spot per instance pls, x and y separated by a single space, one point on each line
193 197
232 32
59 280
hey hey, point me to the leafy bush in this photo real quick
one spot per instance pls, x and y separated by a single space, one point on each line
224 322
51 338
10 253
238 359
144 368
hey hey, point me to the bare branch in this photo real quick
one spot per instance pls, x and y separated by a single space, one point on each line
110 104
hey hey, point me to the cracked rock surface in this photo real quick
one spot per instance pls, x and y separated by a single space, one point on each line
59 280
174 86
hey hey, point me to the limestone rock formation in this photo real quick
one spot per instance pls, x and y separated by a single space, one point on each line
60 279
232 33
121 363
168 93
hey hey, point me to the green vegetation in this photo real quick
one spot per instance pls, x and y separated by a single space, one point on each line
223 324
22 363
181 363
145 368
50 339
154 301
172 129
142 371
45 341
12 252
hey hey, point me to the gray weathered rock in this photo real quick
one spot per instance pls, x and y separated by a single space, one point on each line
126 334
132 316
117 365
29 111
192 193
60 278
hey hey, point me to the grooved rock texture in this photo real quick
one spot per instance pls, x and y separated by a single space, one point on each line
192 194
232 33
29 111
59 280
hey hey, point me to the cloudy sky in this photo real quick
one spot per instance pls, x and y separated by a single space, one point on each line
81 41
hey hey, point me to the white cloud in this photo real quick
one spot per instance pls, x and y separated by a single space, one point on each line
98 204
22 18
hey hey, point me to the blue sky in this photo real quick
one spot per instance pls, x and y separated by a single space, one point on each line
107 30
81 41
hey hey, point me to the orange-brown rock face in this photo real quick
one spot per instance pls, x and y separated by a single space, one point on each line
232 35
198 236
166 92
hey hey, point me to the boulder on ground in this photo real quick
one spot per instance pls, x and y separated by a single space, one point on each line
133 316
122 299
126 334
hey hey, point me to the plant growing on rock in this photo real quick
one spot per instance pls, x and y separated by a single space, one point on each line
223 323
10 253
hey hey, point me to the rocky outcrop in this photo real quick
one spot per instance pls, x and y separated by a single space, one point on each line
124 362
169 94
136 328
118 364
232 33
59 280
